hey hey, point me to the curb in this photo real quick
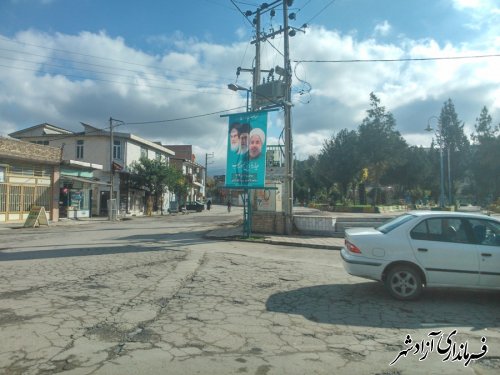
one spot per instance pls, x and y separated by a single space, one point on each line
273 242
296 244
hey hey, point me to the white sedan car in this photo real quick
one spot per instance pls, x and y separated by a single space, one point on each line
426 249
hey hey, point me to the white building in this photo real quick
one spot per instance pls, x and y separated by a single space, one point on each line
93 145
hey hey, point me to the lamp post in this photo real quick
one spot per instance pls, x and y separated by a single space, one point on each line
113 204
235 87
247 204
439 135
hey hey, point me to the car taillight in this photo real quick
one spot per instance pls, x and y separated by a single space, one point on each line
352 248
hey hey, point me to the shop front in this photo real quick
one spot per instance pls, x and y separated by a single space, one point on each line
75 190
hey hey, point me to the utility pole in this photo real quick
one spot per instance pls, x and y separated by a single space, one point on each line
272 93
111 169
288 127
206 169
256 69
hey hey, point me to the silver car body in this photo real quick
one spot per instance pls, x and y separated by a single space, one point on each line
462 262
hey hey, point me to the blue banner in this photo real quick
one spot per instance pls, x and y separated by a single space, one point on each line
246 150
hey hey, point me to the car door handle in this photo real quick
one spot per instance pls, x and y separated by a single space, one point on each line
485 254
422 249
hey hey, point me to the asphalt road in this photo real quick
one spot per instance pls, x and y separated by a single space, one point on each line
153 296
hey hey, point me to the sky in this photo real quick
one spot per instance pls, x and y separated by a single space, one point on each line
162 67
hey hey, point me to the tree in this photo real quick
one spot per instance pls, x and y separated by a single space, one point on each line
485 156
483 126
154 176
339 161
456 146
305 180
179 184
381 145
413 174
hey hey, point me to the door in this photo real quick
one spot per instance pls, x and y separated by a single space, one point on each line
103 203
487 239
445 249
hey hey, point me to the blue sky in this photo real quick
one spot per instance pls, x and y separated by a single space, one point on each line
67 61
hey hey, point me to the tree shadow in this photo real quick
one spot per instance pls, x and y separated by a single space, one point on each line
79 252
369 305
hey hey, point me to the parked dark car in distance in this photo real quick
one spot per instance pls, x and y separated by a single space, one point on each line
195 206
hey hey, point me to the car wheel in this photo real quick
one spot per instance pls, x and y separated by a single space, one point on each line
404 283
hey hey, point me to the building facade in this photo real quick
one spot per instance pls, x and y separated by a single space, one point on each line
29 176
115 151
185 160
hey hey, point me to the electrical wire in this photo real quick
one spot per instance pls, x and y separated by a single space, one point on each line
123 123
161 70
43 65
321 11
400 60
200 91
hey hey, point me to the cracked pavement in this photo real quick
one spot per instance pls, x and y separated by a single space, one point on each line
152 296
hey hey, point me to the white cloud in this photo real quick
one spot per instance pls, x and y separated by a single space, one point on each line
191 77
383 29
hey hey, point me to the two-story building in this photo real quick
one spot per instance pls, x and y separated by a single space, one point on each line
115 151
185 160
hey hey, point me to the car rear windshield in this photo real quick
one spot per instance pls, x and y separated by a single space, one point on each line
394 223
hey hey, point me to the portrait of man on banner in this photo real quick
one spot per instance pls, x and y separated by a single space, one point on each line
246 150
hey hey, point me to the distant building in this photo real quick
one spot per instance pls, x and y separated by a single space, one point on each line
185 160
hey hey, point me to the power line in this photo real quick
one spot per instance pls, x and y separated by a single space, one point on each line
123 83
399 60
143 74
183 118
321 11
76 134
114 67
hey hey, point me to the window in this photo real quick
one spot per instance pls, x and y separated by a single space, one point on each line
443 229
117 149
79 149
2 174
144 152
485 232
420 231
394 223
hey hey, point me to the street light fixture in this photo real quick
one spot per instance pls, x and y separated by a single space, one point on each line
235 87
439 135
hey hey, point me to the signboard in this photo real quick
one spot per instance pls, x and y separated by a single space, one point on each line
36 217
246 150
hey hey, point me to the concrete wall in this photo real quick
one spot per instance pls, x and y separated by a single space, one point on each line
268 222
315 225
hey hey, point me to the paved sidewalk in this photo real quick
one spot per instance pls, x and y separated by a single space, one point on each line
230 233
317 242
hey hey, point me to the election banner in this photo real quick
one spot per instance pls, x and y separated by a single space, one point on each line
246 150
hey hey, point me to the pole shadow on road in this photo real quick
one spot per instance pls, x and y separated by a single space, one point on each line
368 304
179 238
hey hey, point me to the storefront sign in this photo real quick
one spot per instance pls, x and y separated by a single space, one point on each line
36 217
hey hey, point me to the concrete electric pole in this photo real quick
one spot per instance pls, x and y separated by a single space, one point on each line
287 104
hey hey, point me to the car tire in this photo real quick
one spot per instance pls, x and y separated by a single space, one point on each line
404 283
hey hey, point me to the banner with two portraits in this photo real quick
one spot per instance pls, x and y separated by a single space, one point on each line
246 150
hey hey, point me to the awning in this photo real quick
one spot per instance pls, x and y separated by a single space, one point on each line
86 180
